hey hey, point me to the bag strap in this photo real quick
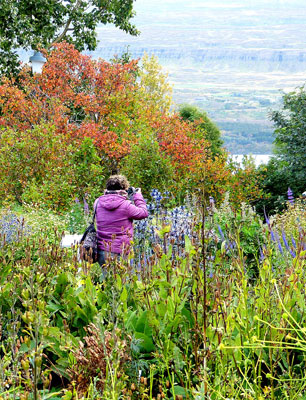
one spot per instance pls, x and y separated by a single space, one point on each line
94 215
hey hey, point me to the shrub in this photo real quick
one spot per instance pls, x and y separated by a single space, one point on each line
40 167
147 167
32 159
89 174
276 179
245 183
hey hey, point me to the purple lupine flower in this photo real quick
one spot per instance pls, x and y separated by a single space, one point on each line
156 196
272 236
230 245
77 200
285 240
280 247
12 228
299 226
266 217
293 242
221 232
290 196
262 257
279 244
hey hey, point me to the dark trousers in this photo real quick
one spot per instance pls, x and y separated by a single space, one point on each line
102 255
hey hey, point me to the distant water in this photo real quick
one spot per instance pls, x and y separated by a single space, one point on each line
259 158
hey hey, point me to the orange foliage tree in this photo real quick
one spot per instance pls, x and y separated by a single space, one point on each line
82 97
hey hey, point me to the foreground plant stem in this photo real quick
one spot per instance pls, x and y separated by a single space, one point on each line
204 291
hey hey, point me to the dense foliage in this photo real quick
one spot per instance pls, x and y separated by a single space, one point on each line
204 306
185 316
290 136
210 303
205 126
287 170
42 23
124 109
39 167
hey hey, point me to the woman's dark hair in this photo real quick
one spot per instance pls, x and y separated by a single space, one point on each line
117 182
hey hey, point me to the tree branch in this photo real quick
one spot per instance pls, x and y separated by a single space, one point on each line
66 28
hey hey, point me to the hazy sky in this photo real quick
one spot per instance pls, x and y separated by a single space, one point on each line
242 23
220 48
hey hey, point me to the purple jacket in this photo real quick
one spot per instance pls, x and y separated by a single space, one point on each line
114 219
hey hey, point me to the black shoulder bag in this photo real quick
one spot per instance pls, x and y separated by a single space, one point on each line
89 242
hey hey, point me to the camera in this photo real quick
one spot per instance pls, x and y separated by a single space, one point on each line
131 191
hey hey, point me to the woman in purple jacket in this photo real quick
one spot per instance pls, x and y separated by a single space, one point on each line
114 217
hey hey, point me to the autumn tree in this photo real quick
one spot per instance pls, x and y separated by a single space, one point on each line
40 166
154 86
80 96
86 99
30 24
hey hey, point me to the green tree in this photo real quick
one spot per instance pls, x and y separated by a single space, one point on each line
290 137
206 128
147 167
30 24
276 179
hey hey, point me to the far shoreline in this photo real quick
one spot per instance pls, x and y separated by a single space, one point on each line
258 158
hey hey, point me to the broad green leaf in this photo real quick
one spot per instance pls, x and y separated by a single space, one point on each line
124 295
146 344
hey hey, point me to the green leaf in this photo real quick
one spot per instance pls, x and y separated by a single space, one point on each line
124 295
119 282
53 395
179 390
161 309
53 308
189 317
170 307
143 324
189 248
146 344
131 321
